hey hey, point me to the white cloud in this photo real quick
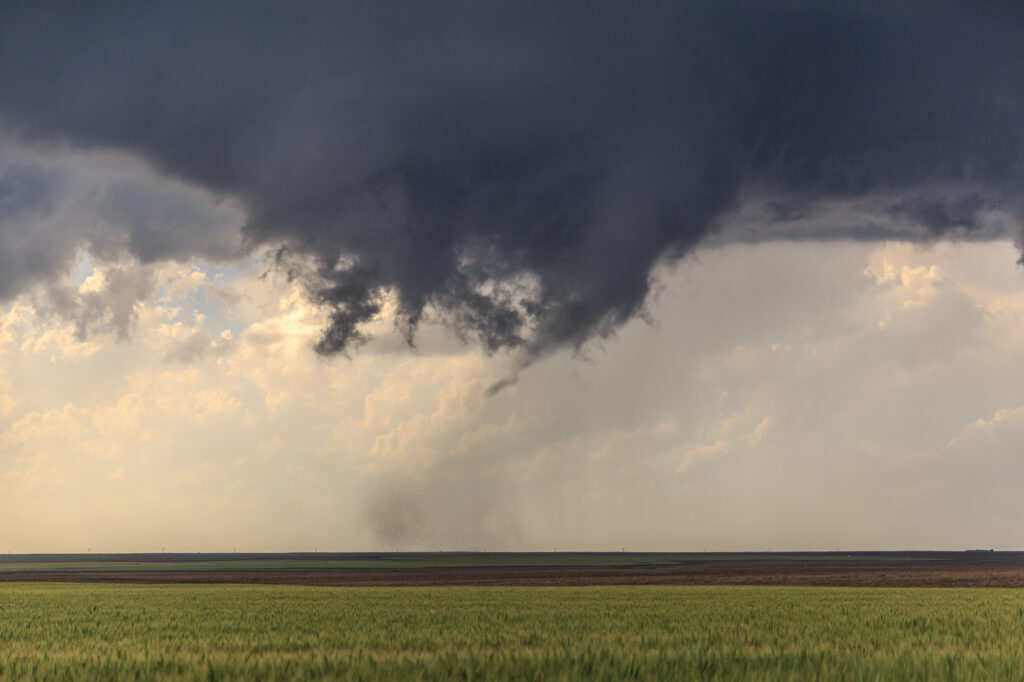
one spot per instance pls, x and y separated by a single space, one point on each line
754 438
696 453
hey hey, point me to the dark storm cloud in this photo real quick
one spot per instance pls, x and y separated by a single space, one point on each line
55 203
521 167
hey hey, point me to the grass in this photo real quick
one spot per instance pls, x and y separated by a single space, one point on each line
75 632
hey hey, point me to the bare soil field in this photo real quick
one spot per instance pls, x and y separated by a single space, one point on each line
948 569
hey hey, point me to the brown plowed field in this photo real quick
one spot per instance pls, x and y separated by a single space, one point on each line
962 573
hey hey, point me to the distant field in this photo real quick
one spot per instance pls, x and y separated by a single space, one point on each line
426 560
837 569
74 631
220 562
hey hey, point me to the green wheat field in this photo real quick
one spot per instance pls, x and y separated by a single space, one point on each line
119 632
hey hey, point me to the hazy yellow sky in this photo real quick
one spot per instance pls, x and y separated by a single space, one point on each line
867 398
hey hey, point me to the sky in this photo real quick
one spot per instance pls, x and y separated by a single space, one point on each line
511 276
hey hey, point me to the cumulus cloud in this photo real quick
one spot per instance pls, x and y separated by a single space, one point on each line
980 472
520 168
104 302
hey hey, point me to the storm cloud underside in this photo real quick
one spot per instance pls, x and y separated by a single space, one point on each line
520 168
